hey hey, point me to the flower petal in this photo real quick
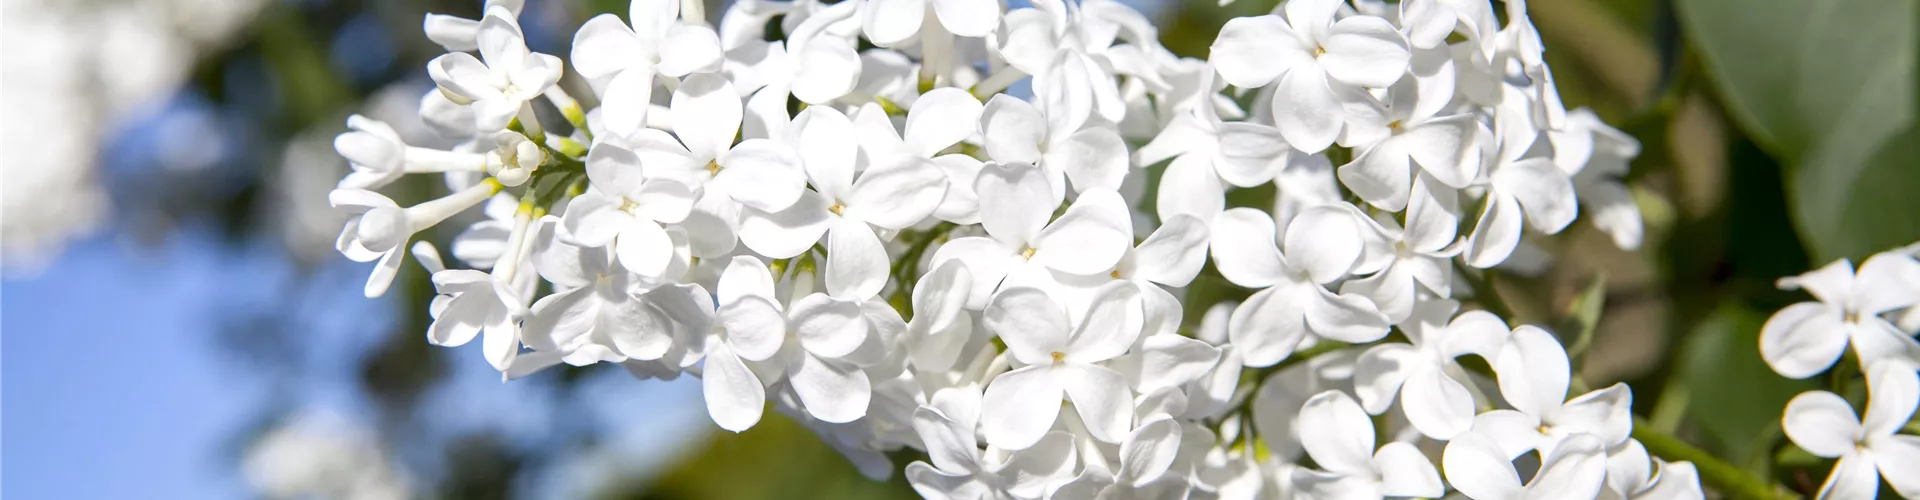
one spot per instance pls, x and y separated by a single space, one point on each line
1020 406
1533 371
1803 339
735 398
831 391
827 327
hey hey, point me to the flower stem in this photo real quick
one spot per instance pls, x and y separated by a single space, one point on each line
1714 471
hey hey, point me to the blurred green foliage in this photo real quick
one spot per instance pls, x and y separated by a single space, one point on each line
1828 89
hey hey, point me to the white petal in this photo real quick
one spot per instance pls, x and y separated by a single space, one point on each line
1014 201
1244 248
1478 469
857 263
1173 254
989 260
897 196
1437 405
1341 434
1111 325
1822 423
1497 233
1101 397
890 22
1093 158
827 327
1380 176
1012 129
1533 371
1149 450
950 444
829 69
1346 318
1852 477
1306 110
735 398
1379 373
706 114
755 328
1831 283
1803 339
383 272
1542 190
1190 187
644 247
1894 455
1324 242
1267 327
1893 392
935 483
1244 52
1577 468
827 145
942 117
789 232
1405 472
762 174
832 391
1090 238
1365 51
1020 406
1030 323
1247 153
689 49
969 18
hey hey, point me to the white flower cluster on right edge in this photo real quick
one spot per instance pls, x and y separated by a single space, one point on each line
1872 310
889 248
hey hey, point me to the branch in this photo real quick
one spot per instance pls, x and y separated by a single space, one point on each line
1722 475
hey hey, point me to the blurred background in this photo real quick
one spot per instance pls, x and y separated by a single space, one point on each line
176 324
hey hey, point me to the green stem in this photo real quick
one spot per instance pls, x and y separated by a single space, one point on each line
1713 471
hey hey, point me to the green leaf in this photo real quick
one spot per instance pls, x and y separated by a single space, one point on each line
1734 396
1826 86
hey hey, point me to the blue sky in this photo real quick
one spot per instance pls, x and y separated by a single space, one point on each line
112 386
116 385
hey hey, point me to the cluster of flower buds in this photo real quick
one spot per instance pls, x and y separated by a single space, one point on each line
1873 310
891 247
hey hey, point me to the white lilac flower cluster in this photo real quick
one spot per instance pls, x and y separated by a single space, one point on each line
1873 310
890 248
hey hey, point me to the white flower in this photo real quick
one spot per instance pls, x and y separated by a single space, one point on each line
1476 466
1805 338
813 64
1062 362
941 325
626 208
379 156
1319 63
806 343
892 22
1056 137
379 229
1596 155
1089 239
1404 133
735 395
958 471
459 34
1207 151
1145 458
477 303
600 312
1417 258
1340 439
756 174
1533 373
501 86
1170 257
1432 388
1824 424
1524 190
1630 474
1320 246
623 61
938 119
